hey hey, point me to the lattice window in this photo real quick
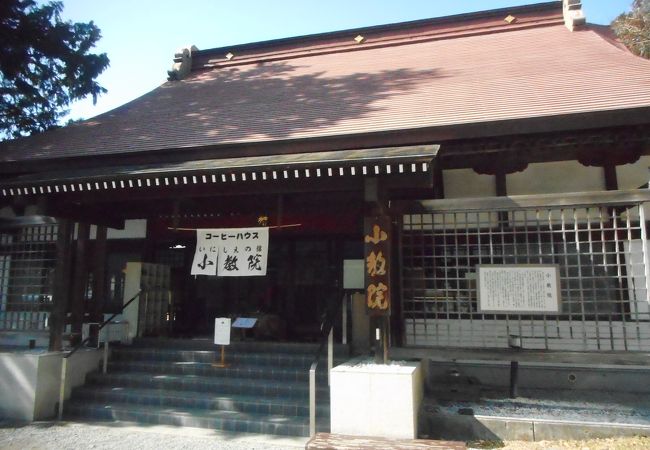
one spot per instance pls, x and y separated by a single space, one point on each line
600 254
27 261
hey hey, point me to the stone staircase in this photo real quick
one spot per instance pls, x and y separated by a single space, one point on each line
173 382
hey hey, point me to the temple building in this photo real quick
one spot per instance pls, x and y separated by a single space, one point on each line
466 191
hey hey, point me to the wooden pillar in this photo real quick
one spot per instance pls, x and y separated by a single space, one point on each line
438 181
61 286
501 188
79 280
611 179
502 191
290 288
280 210
377 249
99 273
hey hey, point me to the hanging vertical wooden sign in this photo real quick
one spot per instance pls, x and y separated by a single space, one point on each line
377 239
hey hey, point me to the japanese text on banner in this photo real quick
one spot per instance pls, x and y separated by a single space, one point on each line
243 252
207 252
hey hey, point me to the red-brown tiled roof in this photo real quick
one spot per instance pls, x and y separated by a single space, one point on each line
531 68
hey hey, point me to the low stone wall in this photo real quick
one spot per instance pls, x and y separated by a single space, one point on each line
30 381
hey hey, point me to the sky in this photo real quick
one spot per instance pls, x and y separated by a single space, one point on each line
141 36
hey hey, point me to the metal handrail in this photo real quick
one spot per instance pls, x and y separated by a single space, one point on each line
327 329
64 365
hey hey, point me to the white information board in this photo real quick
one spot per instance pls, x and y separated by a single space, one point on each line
529 289
353 273
222 331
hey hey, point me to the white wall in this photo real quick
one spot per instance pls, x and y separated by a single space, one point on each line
632 176
555 177
460 183
544 178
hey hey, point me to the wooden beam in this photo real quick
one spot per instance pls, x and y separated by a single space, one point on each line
515 127
591 147
68 204
61 286
219 189
611 154
507 162
99 272
566 200
83 214
79 279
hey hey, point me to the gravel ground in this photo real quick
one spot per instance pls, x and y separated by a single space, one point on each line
561 405
78 436
629 443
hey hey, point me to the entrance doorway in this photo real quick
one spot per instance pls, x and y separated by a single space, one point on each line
309 237
304 276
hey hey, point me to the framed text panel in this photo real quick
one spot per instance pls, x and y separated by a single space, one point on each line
518 288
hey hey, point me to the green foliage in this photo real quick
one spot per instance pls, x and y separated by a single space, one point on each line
45 64
633 28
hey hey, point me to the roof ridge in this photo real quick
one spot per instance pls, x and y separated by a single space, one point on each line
459 25
378 43
454 18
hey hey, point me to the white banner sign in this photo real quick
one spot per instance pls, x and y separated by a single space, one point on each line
518 289
222 331
243 252
231 252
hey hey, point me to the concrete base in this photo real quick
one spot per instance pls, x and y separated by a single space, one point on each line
30 381
370 399
442 426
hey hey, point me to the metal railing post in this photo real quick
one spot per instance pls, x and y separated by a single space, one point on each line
105 365
344 320
312 399
64 363
64 369
646 257
330 353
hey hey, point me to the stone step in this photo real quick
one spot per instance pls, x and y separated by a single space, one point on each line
236 346
196 383
292 374
192 417
206 356
264 389
196 400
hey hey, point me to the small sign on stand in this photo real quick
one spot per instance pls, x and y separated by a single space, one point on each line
244 323
222 338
